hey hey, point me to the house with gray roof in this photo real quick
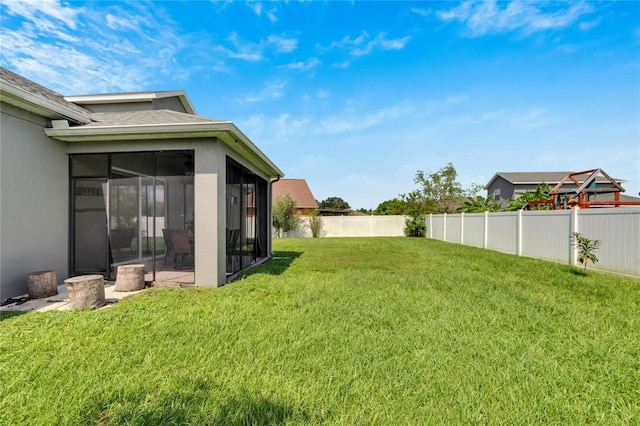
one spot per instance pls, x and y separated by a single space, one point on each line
91 182
504 186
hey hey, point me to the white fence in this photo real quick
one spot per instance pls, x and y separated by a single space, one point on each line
354 226
548 234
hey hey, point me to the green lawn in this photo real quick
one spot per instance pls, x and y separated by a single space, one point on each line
388 331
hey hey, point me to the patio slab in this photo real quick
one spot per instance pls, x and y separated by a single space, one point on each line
61 300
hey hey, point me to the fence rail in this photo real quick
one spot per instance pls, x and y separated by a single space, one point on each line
548 234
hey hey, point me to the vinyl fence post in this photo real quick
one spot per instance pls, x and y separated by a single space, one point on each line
462 228
573 227
444 227
485 243
519 233
430 230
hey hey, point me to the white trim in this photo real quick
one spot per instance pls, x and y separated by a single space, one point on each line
113 98
225 131
26 99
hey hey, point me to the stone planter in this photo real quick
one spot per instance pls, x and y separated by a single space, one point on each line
85 291
130 278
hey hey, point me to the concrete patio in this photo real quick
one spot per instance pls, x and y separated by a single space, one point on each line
61 300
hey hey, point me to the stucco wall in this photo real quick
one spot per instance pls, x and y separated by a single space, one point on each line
34 176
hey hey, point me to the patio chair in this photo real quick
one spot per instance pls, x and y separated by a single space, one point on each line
166 234
180 245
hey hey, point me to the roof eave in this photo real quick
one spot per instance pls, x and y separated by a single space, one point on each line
29 101
227 132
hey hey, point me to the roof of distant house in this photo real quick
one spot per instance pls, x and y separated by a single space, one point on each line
298 189
534 178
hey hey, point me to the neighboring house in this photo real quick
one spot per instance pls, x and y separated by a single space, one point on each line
504 186
92 182
305 202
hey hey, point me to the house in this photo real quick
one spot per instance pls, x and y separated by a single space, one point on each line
504 186
96 181
306 204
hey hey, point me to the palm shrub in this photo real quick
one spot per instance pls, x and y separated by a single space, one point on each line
586 249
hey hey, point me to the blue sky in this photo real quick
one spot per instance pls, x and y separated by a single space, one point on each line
355 97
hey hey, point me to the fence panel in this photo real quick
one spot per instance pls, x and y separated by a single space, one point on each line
501 230
454 222
437 227
354 226
547 235
618 230
474 229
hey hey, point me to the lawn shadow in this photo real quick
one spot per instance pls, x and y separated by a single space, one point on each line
246 409
10 314
277 265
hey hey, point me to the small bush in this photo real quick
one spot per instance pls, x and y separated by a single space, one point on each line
315 225
415 227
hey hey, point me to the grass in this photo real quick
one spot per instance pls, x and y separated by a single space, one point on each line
341 331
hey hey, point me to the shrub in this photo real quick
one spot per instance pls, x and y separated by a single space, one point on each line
315 224
415 227
586 249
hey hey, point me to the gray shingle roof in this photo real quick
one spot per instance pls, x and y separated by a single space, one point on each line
533 177
41 91
151 117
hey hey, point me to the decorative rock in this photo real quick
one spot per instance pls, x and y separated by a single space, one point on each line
85 291
130 278
42 284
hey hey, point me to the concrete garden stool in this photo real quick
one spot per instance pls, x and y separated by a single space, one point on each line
130 278
85 291
42 284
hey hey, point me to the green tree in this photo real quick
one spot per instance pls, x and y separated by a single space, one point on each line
437 192
476 203
391 207
285 218
586 249
334 203
541 193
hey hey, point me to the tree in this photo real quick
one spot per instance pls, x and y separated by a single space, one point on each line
477 203
334 203
284 215
438 192
541 193
586 249
391 207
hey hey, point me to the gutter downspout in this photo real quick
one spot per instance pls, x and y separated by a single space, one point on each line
271 182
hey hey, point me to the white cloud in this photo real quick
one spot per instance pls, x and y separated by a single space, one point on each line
255 52
422 12
272 90
304 66
349 122
282 44
256 7
363 44
487 17
72 51
35 10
